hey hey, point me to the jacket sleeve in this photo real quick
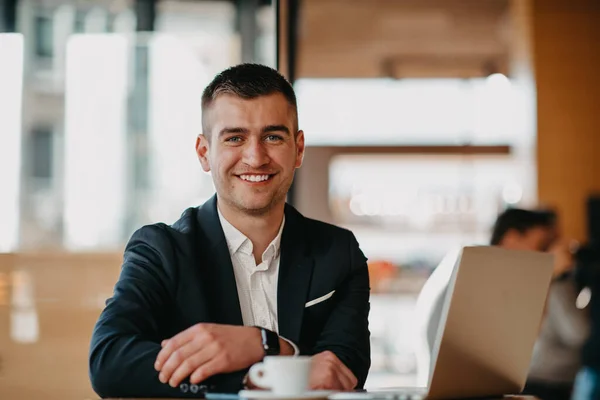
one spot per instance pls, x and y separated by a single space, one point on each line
570 324
346 332
126 339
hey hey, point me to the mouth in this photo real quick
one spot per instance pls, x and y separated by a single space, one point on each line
256 178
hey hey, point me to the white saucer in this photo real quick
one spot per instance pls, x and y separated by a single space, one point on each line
268 395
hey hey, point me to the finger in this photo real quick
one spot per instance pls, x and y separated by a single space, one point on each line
177 357
347 376
324 376
335 378
170 346
330 382
192 363
205 371
344 380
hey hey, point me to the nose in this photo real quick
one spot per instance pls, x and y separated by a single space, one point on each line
255 154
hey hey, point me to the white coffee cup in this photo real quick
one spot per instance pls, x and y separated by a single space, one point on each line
285 375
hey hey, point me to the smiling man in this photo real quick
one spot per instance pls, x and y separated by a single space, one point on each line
244 275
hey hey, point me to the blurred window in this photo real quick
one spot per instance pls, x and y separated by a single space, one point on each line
42 152
44 46
409 111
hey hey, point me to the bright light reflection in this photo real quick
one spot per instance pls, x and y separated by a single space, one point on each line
95 140
24 324
11 89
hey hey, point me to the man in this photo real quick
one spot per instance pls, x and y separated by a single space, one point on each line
565 328
556 356
242 276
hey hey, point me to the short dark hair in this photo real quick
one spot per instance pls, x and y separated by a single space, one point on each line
248 81
521 221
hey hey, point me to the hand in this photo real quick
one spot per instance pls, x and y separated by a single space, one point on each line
204 350
329 373
563 259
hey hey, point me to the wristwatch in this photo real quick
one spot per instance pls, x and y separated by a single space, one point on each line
270 342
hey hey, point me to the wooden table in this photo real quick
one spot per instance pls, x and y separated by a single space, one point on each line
504 398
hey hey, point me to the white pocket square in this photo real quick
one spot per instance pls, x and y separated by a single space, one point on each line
319 299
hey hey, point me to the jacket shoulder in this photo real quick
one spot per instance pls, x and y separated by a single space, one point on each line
162 236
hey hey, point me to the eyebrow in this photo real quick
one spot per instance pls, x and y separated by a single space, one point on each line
276 128
245 131
228 131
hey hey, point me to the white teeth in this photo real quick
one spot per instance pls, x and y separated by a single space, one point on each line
254 178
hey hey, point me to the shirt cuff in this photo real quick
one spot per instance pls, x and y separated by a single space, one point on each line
296 349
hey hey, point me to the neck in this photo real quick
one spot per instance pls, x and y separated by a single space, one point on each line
260 229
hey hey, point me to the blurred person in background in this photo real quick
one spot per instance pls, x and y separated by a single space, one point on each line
242 276
556 355
587 276
565 328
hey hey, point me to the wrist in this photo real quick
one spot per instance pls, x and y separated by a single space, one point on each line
258 352
286 347
270 341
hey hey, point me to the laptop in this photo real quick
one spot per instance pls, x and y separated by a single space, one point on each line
490 322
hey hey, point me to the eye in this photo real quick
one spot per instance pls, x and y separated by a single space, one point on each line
273 138
234 139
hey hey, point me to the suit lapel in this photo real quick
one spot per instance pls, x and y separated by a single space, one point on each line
295 272
219 278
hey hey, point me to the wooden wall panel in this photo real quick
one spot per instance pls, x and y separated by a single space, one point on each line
566 42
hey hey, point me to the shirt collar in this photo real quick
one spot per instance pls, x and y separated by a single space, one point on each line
237 241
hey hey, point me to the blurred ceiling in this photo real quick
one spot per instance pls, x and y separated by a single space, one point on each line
403 38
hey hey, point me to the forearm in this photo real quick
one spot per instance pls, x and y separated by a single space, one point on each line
123 366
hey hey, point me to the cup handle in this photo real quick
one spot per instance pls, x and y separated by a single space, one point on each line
258 376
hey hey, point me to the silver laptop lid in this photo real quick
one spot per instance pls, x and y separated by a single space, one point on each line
490 322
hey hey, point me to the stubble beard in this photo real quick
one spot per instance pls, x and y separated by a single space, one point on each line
277 198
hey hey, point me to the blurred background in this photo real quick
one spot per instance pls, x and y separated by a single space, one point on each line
424 119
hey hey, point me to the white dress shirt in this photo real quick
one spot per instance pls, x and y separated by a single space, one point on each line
256 284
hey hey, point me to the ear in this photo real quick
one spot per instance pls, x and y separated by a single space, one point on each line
299 148
202 151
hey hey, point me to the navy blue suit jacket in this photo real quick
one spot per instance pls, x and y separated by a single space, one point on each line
176 276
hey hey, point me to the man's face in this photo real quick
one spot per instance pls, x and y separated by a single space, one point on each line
538 238
251 150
